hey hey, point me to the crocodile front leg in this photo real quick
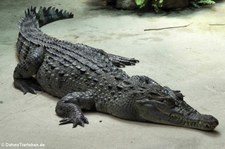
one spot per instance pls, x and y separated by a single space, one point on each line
69 107
26 69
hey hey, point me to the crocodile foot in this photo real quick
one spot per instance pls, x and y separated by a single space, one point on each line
76 119
121 61
27 85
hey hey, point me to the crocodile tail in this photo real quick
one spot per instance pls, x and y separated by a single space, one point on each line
46 15
51 14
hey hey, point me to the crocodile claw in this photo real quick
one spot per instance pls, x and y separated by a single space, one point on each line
27 85
76 120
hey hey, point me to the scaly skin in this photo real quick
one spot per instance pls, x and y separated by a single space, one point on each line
87 78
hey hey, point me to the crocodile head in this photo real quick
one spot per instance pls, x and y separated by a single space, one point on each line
173 111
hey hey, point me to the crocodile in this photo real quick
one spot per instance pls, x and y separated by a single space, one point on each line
87 78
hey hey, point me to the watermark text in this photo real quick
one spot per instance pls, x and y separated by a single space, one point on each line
21 144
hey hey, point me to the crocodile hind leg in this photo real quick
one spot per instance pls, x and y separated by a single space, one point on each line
121 61
69 107
26 69
144 81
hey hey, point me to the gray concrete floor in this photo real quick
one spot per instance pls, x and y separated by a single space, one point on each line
189 59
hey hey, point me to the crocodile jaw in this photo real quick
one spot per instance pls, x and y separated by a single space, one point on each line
194 120
178 113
